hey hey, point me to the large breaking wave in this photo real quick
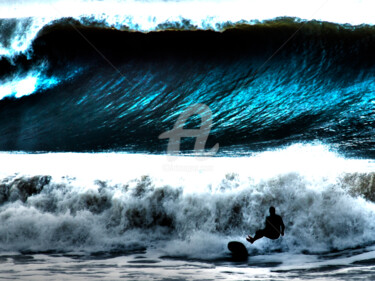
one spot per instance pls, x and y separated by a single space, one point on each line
97 88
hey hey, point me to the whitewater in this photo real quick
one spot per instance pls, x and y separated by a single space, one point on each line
120 211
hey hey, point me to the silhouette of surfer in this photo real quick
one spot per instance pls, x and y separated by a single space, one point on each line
274 227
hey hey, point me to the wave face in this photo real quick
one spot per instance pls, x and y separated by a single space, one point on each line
40 213
269 84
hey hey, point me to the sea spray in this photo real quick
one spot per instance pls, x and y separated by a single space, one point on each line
41 213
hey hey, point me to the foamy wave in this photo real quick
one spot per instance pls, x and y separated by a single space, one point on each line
18 34
41 213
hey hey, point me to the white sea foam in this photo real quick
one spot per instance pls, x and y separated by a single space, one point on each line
26 84
147 14
103 201
194 173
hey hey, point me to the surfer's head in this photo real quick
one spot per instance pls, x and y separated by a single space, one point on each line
272 210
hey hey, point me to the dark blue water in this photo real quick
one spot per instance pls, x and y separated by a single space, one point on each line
267 85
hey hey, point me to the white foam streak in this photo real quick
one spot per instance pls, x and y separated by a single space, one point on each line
24 85
194 174
148 12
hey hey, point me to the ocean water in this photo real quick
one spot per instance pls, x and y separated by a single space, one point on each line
107 172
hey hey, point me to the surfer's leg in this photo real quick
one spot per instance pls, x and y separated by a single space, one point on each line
259 234
272 235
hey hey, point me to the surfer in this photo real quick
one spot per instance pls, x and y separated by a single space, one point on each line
274 227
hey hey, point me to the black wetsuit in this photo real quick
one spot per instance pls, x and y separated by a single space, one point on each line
274 227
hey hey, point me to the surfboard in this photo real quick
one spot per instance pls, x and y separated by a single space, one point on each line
238 250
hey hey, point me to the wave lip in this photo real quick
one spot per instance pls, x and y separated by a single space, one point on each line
20 22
